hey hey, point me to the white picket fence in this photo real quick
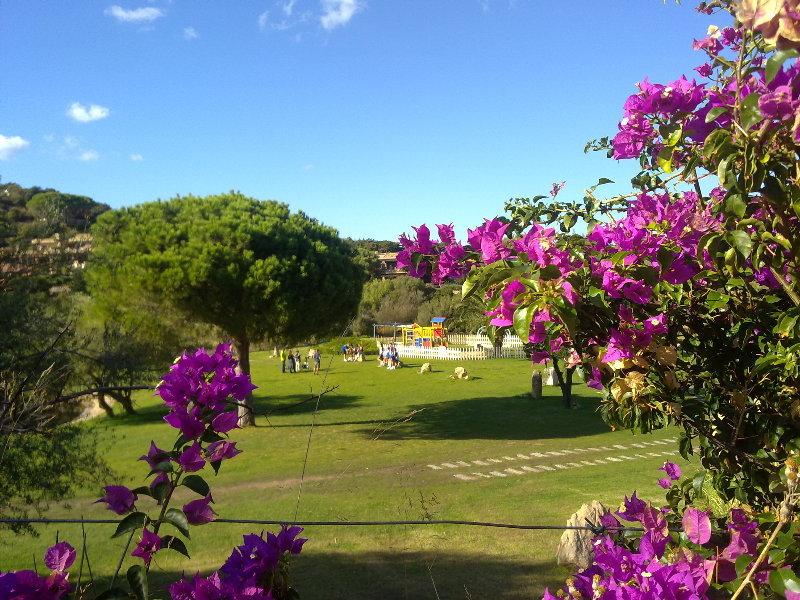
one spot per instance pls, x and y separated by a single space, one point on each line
450 353
442 353
461 339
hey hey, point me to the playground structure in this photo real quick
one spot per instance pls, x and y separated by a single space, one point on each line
426 337
433 342
413 334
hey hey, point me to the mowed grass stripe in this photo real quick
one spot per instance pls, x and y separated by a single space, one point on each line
374 438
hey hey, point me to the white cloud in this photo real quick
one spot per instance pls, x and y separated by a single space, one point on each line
190 33
10 145
137 157
288 7
263 19
338 12
89 155
308 168
145 14
86 114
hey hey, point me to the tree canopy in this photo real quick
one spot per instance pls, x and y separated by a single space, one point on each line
252 268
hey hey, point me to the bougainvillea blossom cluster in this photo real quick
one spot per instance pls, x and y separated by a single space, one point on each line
658 565
30 585
201 391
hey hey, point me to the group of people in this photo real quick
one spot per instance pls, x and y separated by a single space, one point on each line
291 361
353 353
389 357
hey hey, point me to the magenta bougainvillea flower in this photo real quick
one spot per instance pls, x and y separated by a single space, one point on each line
199 512
191 459
148 545
155 456
225 422
488 239
697 525
119 499
59 557
672 470
189 425
221 450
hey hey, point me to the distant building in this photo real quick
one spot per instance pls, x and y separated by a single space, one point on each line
76 247
388 265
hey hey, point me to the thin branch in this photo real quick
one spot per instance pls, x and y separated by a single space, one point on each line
115 388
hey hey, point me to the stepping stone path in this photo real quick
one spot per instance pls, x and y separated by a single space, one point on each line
519 468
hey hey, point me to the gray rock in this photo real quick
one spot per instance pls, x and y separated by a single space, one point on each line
575 547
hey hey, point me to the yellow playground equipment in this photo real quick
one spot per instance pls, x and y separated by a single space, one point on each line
426 337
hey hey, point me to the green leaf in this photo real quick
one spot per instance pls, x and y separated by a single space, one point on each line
716 112
137 580
569 315
522 321
175 517
741 241
135 520
742 563
783 580
685 446
665 160
162 467
468 287
174 543
212 436
786 325
735 204
197 484
674 137
725 174
549 272
181 442
718 142
750 113
160 491
776 61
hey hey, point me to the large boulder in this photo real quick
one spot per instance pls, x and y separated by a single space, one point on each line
575 547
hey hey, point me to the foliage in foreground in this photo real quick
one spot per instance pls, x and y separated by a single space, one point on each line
202 391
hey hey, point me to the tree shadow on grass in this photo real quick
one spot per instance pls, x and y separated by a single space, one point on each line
295 404
408 575
299 404
514 418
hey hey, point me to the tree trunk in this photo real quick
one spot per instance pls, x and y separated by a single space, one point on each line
101 400
245 410
125 401
565 383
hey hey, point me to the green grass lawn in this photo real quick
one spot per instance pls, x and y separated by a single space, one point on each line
376 435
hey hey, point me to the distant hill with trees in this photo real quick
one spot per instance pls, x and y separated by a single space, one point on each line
37 212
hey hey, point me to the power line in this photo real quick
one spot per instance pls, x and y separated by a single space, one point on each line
596 529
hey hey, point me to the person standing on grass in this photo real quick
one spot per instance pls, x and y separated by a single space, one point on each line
316 361
297 361
282 357
291 362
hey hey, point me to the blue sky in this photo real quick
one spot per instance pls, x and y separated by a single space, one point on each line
370 115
